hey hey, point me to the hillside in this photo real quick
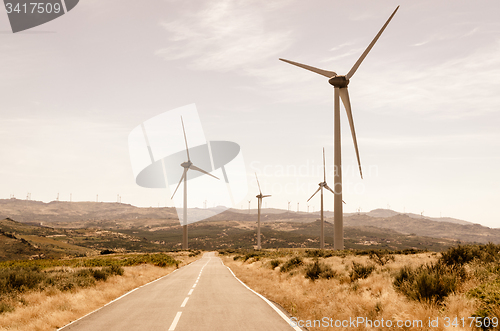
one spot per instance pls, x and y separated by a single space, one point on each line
426 227
24 241
76 228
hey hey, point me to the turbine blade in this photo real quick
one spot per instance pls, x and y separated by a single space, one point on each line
201 170
365 53
182 177
344 95
258 183
265 196
324 166
185 139
319 188
329 189
325 73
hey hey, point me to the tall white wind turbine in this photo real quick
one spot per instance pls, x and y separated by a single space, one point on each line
340 83
322 185
259 203
187 165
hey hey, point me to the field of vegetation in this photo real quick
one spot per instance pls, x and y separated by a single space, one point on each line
458 289
48 294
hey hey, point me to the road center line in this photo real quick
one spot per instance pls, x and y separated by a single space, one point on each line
194 285
184 302
190 292
175 321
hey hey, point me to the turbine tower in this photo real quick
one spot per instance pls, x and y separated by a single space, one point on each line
322 185
340 83
187 165
259 203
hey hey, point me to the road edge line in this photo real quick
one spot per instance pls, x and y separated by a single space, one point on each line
124 295
276 309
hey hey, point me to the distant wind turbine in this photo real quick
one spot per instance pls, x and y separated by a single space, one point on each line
322 185
259 203
340 83
187 165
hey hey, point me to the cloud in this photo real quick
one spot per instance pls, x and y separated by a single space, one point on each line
460 87
226 35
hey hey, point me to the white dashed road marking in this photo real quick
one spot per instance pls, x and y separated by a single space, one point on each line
176 320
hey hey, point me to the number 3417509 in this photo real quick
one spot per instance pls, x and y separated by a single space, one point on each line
33 8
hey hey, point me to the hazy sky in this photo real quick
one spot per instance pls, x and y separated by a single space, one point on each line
425 101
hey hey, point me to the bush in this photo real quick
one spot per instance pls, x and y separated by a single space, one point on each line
20 279
381 257
293 263
428 283
275 263
318 270
250 255
488 295
115 270
460 255
5 308
319 253
360 271
194 253
99 274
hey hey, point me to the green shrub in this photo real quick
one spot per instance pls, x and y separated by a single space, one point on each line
360 271
115 270
429 283
292 263
319 253
460 255
381 257
20 279
99 274
488 296
250 255
5 308
275 263
194 253
318 270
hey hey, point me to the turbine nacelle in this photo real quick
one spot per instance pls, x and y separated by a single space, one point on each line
339 81
186 164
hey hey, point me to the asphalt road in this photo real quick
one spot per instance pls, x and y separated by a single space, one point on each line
201 296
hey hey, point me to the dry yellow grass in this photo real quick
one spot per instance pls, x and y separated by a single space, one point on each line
49 310
339 299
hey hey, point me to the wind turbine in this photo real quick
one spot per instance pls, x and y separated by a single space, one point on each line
187 165
259 203
322 185
340 83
